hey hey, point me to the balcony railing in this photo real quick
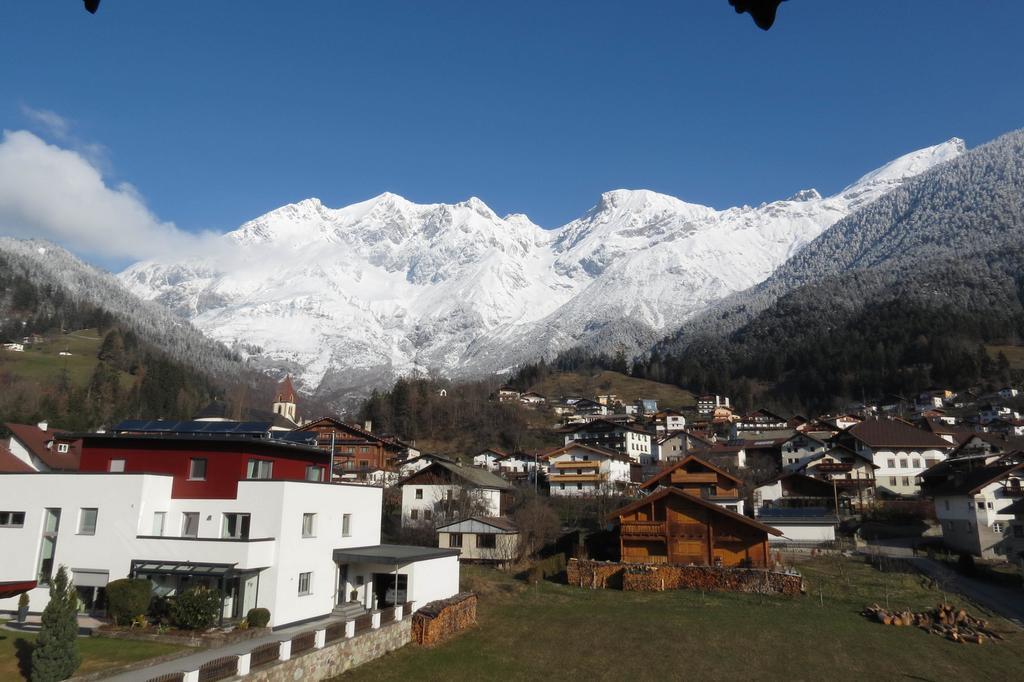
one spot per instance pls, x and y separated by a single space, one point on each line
643 529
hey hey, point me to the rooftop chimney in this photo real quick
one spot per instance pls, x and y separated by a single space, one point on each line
42 425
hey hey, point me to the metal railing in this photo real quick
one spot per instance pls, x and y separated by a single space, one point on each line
264 654
218 669
303 642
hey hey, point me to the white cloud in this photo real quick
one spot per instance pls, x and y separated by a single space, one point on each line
48 192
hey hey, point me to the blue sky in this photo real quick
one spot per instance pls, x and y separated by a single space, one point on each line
218 113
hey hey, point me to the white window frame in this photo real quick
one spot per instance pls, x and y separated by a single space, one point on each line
63 448
346 525
159 523
239 524
259 469
192 468
8 519
185 516
309 525
83 514
116 466
307 577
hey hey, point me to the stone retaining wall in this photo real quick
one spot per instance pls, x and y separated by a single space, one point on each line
657 577
337 657
441 620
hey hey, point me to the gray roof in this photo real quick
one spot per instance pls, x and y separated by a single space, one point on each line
499 522
476 476
391 554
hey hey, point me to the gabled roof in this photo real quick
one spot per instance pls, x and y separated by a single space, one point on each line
970 482
354 430
879 433
690 459
285 391
606 425
500 522
475 476
718 509
604 452
761 412
841 451
38 443
218 409
9 464
492 451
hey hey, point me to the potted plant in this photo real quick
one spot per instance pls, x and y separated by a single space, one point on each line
353 595
23 607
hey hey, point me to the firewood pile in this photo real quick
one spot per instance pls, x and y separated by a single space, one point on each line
944 620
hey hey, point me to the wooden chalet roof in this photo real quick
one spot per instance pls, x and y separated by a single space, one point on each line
690 459
387 443
605 425
38 442
597 449
879 433
970 482
715 508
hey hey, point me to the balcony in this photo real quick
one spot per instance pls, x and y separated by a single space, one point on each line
1014 491
643 529
244 554
834 467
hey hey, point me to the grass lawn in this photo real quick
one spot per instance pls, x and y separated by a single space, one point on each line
98 653
564 632
1015 354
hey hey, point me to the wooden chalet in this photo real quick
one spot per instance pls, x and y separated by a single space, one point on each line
700 479
356 450
672 526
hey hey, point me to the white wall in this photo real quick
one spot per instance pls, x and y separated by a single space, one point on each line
435 494
797 533
885 473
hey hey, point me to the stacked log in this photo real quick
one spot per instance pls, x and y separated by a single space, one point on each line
944 620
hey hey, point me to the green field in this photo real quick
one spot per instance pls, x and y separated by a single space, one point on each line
42 363
560 632
628 389
97 653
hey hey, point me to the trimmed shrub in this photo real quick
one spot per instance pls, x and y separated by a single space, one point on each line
197 608
128 598
258 617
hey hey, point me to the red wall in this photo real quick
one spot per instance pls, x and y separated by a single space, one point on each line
226 462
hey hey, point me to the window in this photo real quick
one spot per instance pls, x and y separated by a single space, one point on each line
197 469
308 525
364 464
990 505
579 486
906 481
998 527
158 523
314 473
561 486
190 524
455 539
235 526
62 448
49 546
903 464
981 505
917 464
892 464
346 525
116 466
414 514
427 515
419 493
259 469
87 521
12 519
487 541
305 583
364 448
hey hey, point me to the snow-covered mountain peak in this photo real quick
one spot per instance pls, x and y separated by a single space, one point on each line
363 293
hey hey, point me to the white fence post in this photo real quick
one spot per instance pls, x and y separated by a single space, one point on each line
285 651
320 639
398 613
244 664
191 676
375 620
350 629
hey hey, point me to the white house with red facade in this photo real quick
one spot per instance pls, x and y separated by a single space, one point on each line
250 515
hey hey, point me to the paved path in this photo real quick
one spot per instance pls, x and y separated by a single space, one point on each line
1004 601
193 661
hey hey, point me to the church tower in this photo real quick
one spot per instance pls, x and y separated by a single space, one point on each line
284 401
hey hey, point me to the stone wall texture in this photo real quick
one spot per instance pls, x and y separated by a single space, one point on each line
441 620
337 657
657 577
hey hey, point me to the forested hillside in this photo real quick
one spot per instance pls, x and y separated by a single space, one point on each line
144 364
902 295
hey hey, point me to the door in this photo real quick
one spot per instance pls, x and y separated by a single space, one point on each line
341 595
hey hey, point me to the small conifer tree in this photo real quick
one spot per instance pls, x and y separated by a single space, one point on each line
56 656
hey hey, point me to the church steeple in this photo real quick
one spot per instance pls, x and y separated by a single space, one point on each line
285 401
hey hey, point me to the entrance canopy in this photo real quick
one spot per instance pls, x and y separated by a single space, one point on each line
390 555
190 568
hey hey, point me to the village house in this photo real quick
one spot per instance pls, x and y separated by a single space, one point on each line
43 448
971 506
628 439
673 526
800 525
250 515
799 447
14 347
481 539
794 490
532 399
701 479
578 469
1008 392
508 394
585 406
488 459
899 450
357 450
444 491
733 455
761 420
706 404
517 465
852 474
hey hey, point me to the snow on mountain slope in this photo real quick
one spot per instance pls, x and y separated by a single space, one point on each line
349 298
